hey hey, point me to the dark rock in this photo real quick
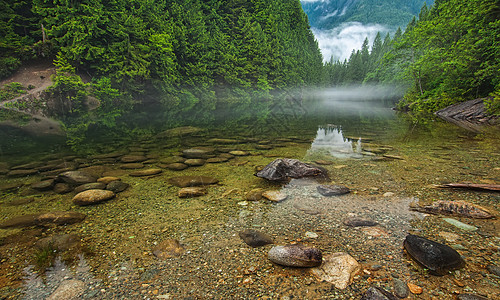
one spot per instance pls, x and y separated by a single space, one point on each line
494 269
62 188
283 169
436 257
357 222
133 158
190 192
168 248
471 297
62 242
185 181
10 187
455 208
376 293
21 221
470 115
22 172
332 190
92 197
255 238
147 172
193 162
32 165
75 177
295 255
55 218
400 288
44 185
176 166
90 186
132 166
107 179
117 186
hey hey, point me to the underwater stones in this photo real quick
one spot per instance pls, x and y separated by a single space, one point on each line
263 147
216 160
456 208
176 166
199 152
75 177
436 257
107 179
377 293
68 289
55 218
185 181
460 225
117 186
470 297
254 195
400 288
194 162
332 190
90 186
275 196
239 153
10 187
133 158
132 166
223 141
22 172
337 268
44 185
190 192
61 242
255 238
172 159
179 131
147 172
90 197
358 222
295 255
62 188
32 165
494 269
22 201
168 248
283 169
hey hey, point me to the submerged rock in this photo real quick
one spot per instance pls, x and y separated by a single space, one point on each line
376 293
194 162
41 219
168 248
471 297
133 158
75 178
190 192
275 196
90 197
338 268
176 166
283 169
436 257
201 152
460 225
255 238
456 208
62 188
117 186
185 181
90 186
68 289
295 255
44 185
332 190
147 172
61 242
357 222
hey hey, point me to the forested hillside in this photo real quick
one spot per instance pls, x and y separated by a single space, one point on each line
448 55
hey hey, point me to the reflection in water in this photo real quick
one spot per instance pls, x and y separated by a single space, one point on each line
331 141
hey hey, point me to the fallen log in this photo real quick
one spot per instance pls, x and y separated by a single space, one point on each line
473 186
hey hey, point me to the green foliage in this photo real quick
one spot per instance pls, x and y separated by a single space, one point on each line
11 91
493 104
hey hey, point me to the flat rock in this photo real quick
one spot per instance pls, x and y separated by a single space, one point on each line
176 166
455 208
324 162
494 269
239 153
10 187
22 201
254 195
223 141
190 192
61 242
69 289
283 169
44 185
275 196
436 257
62 188
55 218
31 165
460 225
76 177
332 190
337 268
90 186
199 152
147 172
108 179
22 172
172 159
255 238
92 197
132 166
357 222
295 255
133 158
467 296
21 221
168 248
400 288
194 162
376 293
185 181
117 186
216 160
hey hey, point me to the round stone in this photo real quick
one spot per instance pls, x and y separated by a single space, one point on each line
92 197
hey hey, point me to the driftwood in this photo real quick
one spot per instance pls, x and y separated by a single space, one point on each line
473 186
470 115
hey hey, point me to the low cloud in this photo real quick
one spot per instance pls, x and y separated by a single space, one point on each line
340 41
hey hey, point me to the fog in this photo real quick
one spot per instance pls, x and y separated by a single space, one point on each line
340 41
357 93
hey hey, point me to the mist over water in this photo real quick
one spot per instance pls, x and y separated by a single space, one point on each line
340 41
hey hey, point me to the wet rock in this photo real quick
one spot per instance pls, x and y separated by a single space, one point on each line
173 159
32 165
76 177
471 297
70 289
62 242
449 236
357 222
283 169
295 255
194 162
255 238
44 185
176 166
92 197
223 141
21 221
168 248
107 179
185 181
132 166
436 257
62 188
216 160
275 196
22 172
324 162
133 158
117 186
456 208
376 293
400 288
54 218
414 289
190 192
332 190
337 268
147 172
179 131
226 155
10 187
200 152
254 195
90 186
494 269
263 147
22 201
460 225
239 153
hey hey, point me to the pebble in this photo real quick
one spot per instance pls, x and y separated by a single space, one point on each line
415 289
275 196
311 235
460 225
332 190
190 192
357 222
254 195
401 289
494 269
90 197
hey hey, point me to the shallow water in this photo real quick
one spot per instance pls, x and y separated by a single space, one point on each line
388 162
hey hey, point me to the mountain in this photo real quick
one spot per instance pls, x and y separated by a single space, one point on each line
328 14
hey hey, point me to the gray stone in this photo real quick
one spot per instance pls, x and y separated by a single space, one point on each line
255 238
400 288
357 222
76 178
44 185
332 190
117 186
295 255
71 289
90 186
285 168
494 269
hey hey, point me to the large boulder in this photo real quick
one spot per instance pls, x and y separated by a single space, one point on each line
283 169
